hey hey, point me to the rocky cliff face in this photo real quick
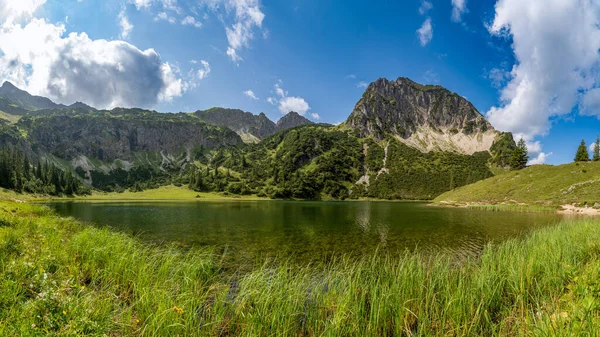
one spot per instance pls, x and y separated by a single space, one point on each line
107 136
429 118
252 128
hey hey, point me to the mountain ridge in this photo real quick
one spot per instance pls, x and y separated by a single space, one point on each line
427 117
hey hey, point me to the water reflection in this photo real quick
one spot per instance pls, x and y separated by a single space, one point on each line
310 231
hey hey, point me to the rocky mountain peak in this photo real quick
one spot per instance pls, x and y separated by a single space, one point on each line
428 117
290 120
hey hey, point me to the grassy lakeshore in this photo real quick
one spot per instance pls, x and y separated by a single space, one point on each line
61 278
171 192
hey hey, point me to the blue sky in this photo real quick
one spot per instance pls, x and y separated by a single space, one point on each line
315 56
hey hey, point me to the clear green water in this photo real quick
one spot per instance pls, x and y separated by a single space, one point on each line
249 231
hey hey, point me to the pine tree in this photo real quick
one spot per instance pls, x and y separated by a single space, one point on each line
582 152
597 149
519 158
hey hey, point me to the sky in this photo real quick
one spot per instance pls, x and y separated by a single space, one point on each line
531 67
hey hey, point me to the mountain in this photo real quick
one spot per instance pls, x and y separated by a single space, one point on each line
426 117
403 140
26 100
291 120
252 128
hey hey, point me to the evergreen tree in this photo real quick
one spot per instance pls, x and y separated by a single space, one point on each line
582 152
519 157
597 149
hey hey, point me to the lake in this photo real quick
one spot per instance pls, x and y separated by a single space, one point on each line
248 231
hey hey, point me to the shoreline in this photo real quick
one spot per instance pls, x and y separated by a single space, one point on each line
566 209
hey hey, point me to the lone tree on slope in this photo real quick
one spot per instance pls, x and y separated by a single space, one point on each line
597 149
519 157
582 152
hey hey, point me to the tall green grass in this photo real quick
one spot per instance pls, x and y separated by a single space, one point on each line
514 208
61 278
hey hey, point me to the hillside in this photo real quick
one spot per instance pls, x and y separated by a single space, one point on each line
575 183
426 117
237 152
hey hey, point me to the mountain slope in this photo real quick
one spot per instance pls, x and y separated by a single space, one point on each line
535 185
252 128
26 100
429 118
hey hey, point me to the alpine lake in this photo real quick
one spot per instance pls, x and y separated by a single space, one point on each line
247 232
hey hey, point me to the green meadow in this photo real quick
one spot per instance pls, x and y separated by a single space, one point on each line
59 277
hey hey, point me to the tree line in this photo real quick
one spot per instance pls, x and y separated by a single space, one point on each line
19 173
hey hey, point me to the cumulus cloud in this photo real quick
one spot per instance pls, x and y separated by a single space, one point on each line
297 104
39 58
13 9
540 159
555 43
288 103
362 84
251 94
315 116
425 33
590 103
459 7
425 7
190 20
126 26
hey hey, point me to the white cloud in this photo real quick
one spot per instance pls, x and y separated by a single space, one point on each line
190 20
14 9
297 104
362 84
540 159
459 7
232 53
279 91
592 146
315 116
139 4
425 7
350 77
163 16
247 17
425 33
105 74
556 45
204 71
288 103
590 103
126 26
251 94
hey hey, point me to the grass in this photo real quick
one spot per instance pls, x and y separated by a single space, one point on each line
61 278
514 208
171 192
544 185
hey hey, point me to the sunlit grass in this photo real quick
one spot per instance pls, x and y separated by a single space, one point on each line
58 277
514 208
